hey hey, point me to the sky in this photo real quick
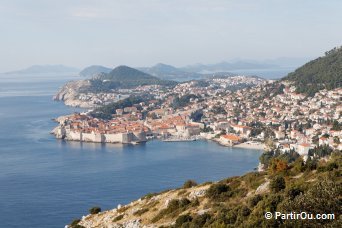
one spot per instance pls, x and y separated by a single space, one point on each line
80 33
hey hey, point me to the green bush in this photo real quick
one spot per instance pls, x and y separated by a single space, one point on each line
293 192
219 192
182 219
189 184
277 184
244 211
94 210
255 200
174 207
201 220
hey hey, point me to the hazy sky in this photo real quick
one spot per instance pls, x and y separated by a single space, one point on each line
178 32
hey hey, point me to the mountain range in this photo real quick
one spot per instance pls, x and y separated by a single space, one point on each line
267 69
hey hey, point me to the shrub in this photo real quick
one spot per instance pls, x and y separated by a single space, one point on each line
149 195
74 224
174 207
189 184
94 210
277 184
183 219
141 211
332 166
201 220
118 218
218 191
244 211
293 192
254 200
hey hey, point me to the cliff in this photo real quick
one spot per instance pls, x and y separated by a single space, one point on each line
70 92
237 201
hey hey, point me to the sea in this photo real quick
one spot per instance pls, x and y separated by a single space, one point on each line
46 182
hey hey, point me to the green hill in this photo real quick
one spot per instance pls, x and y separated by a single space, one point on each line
321 73
125 77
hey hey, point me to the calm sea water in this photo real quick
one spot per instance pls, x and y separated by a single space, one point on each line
46 182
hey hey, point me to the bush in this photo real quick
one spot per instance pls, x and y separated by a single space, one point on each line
74 224
218 191
332 166
254 200
183 219
141 211
244 211
293 192
201 220
189 184
174 207
94 210
149 195
277 184
118 218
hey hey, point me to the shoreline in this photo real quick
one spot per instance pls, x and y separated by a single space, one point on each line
249 145
246 145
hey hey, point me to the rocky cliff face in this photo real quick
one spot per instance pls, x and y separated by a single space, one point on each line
70 92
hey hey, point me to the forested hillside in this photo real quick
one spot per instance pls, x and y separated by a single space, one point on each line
321 73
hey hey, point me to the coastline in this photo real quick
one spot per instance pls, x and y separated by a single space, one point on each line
246 145
251 145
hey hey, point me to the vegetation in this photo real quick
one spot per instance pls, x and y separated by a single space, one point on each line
189 184
124 77
94 210
141 211
277 184
322 73
106 111
74 224
321 151
313 192
118 218
219 192
197 115
313 186
183 101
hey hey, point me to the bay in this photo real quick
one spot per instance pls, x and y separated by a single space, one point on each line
45 182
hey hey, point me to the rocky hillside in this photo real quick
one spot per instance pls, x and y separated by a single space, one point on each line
314 187
121 77
69 93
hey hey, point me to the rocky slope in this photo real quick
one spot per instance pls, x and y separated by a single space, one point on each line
70 92
237 201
